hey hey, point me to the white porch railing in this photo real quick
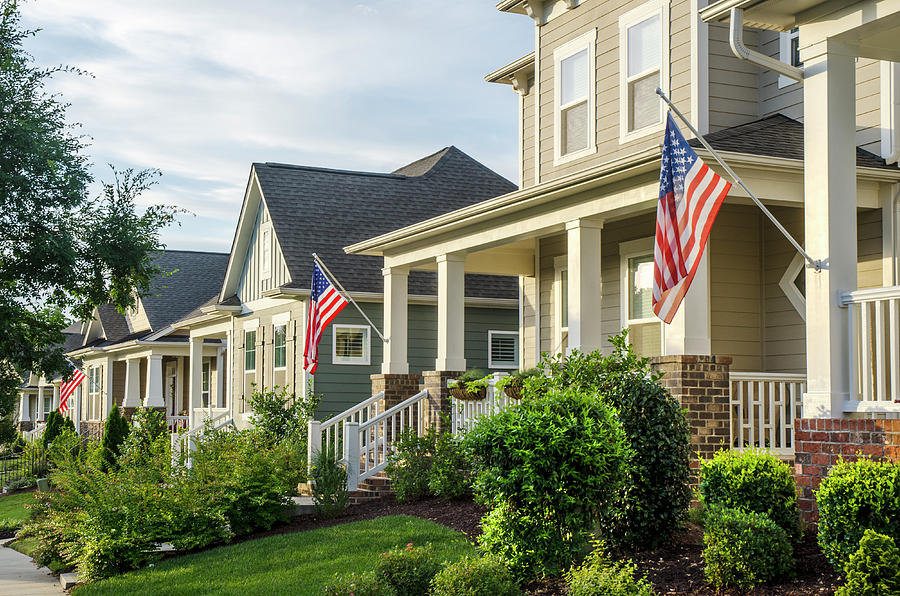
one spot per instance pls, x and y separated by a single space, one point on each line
762 409
328 434
874 329
464 413
178 424
185 442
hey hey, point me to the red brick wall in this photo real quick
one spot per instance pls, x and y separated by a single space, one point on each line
821 442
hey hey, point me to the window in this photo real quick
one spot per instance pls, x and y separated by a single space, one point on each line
789 52
94 393
351 344
643 66
574 115
266 253
204 385
503 349
561 311
644 328
793 284
250 351
48 404
280 352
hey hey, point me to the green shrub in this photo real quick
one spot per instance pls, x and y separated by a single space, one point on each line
744 549
475 576
9 434
410 463
548 467
147 426
874 569
854 497
51 430
114 433
656 492
598 576
359 584
281 415
9 527
752 480
450 475
329 484
409 570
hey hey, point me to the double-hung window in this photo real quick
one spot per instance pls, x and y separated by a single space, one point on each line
503 349
644 328
574 114
250 351
94 393
351 344
280 355
643 66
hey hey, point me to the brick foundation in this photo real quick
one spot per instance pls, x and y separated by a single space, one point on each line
92 429
26 426
439 397
820 442
701 385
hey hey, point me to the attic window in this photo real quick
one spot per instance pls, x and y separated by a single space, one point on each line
266 253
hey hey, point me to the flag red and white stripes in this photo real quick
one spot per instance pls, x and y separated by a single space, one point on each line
68 388
325 303
690 195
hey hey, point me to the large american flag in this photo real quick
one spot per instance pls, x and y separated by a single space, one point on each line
68 388
325 303
690 195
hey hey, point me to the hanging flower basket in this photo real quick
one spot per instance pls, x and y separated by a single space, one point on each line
513 389
460 392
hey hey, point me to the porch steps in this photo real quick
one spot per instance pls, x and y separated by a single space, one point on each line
370 489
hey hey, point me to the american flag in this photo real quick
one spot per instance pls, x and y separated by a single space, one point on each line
325 302
690 195
68 388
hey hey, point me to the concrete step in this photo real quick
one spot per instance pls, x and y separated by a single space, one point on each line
303 506
68 580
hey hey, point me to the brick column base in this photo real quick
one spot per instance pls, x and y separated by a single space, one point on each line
396 388
26 426
92 429
438 414
701 384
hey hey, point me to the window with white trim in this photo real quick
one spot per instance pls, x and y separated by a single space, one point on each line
574 93
280 350
636 270
351 344
204 385
266 253
250 351
643 66
94 393
48 404
561 309
789 52
503 349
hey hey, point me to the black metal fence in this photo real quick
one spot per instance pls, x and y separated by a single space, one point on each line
18 466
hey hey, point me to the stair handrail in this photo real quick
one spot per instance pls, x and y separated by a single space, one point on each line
393 410
352 410
331 427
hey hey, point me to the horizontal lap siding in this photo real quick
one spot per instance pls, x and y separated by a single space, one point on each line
787 100
785 331
529 320
868 104
551 248
733 83
869 249
528 138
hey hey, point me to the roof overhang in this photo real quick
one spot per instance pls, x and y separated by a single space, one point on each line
778 15
516 73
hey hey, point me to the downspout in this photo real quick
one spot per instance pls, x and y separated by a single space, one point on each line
736 39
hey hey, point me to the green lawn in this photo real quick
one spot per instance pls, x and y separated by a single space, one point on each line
12 506
26 546
298 563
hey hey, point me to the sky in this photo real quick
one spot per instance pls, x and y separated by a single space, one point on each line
200 89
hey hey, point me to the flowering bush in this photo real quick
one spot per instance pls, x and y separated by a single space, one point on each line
408 570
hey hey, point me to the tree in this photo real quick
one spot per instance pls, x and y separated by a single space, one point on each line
115 431
62 253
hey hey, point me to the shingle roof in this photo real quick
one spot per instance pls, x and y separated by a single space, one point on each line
321 210
197 276
774 136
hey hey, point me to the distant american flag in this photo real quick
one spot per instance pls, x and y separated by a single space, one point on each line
68 388
324 305
690 195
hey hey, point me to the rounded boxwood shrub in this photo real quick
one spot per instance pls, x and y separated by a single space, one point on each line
598 576
358 584
752 480
475 576
854 497
874 569
743 549
408 570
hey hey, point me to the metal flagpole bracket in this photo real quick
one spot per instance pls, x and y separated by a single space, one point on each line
811 263
349 298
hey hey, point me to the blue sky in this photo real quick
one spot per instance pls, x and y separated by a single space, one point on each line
202 88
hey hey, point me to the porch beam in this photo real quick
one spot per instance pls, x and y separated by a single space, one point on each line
396 320
451 313
585 285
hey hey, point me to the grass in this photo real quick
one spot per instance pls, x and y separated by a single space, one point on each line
297 563
26 546
12 507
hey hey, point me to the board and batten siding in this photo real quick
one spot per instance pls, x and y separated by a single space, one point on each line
252 283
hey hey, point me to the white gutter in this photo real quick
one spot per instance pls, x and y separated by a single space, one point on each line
736 39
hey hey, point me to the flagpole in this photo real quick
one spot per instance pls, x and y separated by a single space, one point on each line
349 298
817 265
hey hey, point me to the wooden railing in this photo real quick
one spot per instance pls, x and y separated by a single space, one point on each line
873 317
762 410
329 434
464 413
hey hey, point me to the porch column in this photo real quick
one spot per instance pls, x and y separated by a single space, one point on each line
24 416
830 224
41 414
585 284
396 327
108 398
155 397
55 403
132 399
220 377
195 396
451 313
689 332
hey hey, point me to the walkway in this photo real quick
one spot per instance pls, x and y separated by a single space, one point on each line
19 576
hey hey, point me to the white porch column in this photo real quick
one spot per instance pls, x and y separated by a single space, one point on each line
195 396
78 397
690 330
451 313
830 224
108 399
220 378
41 414
155 398
55 403
585 284
132 397
24 416
396 320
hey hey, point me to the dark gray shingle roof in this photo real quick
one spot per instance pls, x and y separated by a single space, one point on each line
197 277
775 136
321 210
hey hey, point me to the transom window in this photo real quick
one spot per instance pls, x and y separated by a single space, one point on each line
250 351
280 355
643 57
503 349
644 328
574 97
351 344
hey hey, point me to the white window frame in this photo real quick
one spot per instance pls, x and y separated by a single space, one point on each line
560 265
367 346
205 376
253 330
265 252
628 250
275 346
790 289
94 393
587 41
784 54
629 19
510 366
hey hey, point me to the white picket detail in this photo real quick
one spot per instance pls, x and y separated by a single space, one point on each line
762 409
464 413
328 434
873 318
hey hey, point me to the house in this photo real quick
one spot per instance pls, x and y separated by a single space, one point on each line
39 395
139 359
290 212
804 110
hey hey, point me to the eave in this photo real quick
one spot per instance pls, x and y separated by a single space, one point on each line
506 74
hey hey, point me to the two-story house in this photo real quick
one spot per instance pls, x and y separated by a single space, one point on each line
579 231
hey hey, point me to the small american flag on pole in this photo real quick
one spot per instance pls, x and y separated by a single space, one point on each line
325 302
68 388
690 195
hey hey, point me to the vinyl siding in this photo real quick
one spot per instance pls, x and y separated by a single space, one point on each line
252 283
733 83
869 249
529 320
868 104
787 100
528 138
